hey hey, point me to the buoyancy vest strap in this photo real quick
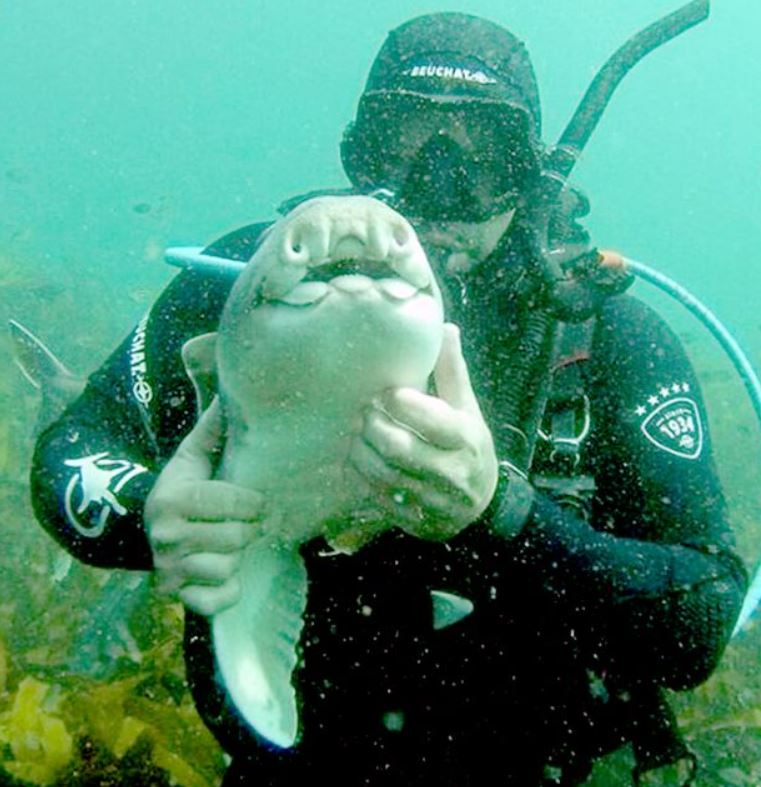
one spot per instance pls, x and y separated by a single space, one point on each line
567 420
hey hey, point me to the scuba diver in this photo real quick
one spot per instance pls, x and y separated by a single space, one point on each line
601 570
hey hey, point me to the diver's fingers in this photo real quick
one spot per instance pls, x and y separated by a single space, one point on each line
221 501
431 417
173 571
209 601
192 459
451 373
406 450
200 501
432 508
375 469
208 568
424 472
187 538
393 442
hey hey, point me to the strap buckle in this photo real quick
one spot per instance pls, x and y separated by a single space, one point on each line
569 427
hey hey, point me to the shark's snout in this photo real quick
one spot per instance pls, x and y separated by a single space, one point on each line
328 242
350 247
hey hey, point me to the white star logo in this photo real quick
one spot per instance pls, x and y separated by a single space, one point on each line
664 391
640 410
675 388
653 400
685 387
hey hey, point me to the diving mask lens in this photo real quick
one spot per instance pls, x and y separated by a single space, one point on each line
445 160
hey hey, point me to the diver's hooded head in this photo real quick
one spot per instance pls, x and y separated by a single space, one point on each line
449 121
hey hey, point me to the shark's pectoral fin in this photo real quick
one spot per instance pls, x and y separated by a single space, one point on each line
255 642
199 358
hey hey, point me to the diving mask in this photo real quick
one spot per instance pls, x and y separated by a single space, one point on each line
441 160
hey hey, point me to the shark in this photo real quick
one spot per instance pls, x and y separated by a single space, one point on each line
337 304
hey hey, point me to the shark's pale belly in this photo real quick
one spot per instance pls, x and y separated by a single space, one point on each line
295 376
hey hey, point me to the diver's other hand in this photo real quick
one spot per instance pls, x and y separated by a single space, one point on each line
430 459
198 527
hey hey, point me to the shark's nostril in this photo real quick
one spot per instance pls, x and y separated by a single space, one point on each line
400 235
295 250
295 253
378 240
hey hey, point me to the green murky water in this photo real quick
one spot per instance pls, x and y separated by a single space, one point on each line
127 127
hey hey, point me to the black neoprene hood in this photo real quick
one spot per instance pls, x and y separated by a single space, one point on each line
450 58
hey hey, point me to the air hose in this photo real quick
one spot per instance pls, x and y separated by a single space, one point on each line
521 401
741 363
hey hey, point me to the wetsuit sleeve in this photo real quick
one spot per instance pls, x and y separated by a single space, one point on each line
653 573
93 469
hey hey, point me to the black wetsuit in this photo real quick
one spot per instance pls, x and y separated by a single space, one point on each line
574 626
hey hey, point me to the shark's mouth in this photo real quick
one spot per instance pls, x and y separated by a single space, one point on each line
348 267
351 277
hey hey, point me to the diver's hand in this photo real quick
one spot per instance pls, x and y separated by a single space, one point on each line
430 460
198 527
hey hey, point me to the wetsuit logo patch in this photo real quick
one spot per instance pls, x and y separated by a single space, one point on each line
91 494
672 422
138 369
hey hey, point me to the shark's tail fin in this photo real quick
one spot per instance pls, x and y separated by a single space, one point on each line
36 362
58 384
256 640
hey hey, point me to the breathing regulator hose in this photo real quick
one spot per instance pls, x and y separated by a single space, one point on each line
575 291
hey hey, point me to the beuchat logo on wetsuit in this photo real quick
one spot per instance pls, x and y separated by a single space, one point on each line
91 493
141 388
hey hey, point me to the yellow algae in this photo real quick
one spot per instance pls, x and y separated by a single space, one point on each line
57 741
179 770
26 708
103 710
39 741
130 731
